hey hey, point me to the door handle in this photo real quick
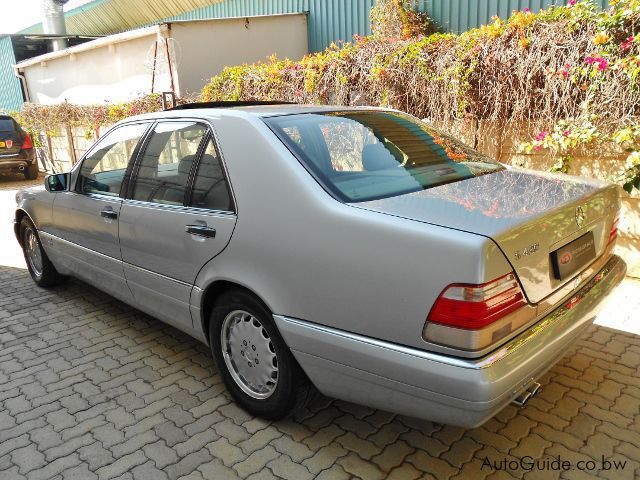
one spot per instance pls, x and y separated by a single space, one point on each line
201 231
109 213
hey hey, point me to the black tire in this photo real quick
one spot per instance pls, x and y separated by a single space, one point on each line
47 276
292 389
32 171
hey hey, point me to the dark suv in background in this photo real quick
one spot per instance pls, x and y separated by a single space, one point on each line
16 149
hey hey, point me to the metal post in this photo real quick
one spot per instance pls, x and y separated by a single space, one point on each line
72 148
166 46
153 71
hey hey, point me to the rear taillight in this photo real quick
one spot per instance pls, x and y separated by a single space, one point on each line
26 143
613 234
473 307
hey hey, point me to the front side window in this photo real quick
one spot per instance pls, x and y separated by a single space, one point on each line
167 161
102 171
362 156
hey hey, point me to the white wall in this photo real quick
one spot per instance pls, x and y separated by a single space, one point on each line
113 73
204 48
119 68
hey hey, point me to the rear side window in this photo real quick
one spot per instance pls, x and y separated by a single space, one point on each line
164 170
210 188
361 156
103 170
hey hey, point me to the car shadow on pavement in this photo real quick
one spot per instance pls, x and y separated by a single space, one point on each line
89 385
16 181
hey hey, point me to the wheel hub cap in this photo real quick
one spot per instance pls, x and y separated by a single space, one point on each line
34 255
249 354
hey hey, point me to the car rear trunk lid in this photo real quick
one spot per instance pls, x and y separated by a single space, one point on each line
10 137
530 215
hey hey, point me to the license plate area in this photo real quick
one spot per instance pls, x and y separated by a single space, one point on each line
571 257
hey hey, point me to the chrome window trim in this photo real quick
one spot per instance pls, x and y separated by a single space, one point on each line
100 196
96 196
179 208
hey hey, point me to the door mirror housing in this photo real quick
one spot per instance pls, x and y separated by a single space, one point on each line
58 182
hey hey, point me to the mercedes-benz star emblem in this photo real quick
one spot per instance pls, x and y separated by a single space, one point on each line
580 216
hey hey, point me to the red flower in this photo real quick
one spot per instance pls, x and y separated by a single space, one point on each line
541 136
571 3
601 62
627 44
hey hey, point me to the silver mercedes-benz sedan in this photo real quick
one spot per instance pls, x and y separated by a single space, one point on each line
357 250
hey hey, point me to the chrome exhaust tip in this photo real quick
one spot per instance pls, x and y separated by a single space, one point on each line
526 395
21 167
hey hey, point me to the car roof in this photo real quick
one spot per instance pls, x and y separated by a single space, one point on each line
261 111
285 109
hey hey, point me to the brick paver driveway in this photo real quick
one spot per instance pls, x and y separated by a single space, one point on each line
90 388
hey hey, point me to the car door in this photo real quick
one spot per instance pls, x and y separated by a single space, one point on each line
84 233
177 216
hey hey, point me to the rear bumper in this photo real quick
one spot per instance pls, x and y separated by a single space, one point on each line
437 387
16 162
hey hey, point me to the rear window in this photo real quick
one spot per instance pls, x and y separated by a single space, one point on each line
362 156
7 125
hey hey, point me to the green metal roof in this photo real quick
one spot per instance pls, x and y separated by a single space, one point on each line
104 17
329 20
10 91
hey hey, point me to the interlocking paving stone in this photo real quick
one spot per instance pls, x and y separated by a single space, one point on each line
91 388
28 458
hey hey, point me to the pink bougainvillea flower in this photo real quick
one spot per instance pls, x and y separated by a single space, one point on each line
527 10
537 148
566 133
627 44
600 62
541 136
572 3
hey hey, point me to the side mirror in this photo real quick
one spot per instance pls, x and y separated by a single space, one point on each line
58 182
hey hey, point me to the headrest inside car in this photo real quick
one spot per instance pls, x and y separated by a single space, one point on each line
376 157
185 165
